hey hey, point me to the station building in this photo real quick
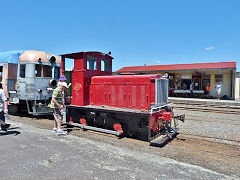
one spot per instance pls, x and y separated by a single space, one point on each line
181 75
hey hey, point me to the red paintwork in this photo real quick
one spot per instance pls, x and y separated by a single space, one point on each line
62 66
172 67
83 121
167 116
130 91
155 122
71 119
118 127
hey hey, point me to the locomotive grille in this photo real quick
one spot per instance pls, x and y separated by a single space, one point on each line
161 91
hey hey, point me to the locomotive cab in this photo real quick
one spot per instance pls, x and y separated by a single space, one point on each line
86 65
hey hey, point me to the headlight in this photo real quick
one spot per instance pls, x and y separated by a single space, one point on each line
53 82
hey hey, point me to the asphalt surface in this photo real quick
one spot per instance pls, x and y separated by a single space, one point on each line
27 152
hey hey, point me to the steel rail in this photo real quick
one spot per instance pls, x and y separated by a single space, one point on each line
205 109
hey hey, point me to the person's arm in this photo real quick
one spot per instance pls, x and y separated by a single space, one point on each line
5 101
55 102
6 107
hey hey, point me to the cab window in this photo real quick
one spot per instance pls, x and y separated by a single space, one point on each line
91 63
105 65
38 70
47 71
22 70
1 70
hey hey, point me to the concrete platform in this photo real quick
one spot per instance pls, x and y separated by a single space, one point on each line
204 101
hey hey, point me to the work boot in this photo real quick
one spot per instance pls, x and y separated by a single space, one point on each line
5 127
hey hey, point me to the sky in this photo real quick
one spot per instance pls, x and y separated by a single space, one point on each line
137 32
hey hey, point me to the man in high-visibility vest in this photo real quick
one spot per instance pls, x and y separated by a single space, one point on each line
208 89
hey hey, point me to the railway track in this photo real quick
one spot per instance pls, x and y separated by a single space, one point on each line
208 108
210 138
206 146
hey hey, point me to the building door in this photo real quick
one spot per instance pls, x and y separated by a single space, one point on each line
206 78
205 83
196 84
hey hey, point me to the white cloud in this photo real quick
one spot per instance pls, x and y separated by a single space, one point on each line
158 61
210 48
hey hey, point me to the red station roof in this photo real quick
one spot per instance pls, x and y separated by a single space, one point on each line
175 67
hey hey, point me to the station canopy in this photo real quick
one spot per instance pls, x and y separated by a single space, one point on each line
10 56
180 67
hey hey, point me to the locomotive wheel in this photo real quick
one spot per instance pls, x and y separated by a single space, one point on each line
75 116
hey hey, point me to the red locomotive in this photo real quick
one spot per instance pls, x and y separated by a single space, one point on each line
124 105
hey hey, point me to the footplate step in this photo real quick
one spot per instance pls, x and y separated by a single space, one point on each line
162 140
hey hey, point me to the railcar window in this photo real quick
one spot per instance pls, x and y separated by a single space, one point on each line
57 72
1 70
105 65
47 71
1 73
22 70
38 70
91 63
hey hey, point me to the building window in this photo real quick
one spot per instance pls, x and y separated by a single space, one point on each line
38 70
183 81
91 63
206 76
47 71
22 70
218 77
106 65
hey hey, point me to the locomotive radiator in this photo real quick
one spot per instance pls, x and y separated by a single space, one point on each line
170 125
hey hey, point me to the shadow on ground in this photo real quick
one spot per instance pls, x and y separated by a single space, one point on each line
10 131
